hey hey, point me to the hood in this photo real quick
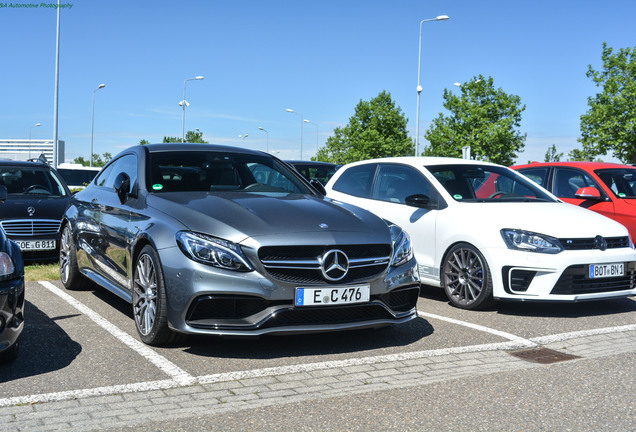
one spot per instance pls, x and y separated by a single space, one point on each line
558 220
16 207
235 216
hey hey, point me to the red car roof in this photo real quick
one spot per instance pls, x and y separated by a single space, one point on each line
582 164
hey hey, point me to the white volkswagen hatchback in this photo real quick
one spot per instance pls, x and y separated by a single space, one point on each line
483 231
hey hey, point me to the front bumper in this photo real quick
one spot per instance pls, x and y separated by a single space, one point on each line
206 300
11 312
564 276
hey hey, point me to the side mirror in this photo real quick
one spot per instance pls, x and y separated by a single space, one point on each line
3 193
588 193
318 186
122 186
417 200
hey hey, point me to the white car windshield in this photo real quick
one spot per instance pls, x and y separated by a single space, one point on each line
487 183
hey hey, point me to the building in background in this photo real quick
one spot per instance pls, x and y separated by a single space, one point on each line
24 149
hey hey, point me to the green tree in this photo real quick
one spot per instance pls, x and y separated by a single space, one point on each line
80 160
610 122
577 155
97 160
377 129
144 142
551 155
482 117
191 137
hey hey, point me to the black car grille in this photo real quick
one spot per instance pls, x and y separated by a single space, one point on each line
220 307
225 311
328 315
591 243
517 280
30 228
575 280
301 264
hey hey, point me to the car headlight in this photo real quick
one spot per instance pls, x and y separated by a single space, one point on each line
530 241
212 251
402 250
7 268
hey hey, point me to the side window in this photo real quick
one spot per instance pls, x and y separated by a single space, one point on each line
356 180
395 182
537 175
127 164
568 181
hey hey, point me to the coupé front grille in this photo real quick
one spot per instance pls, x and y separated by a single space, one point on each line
301 264
31 227
575 280
590 243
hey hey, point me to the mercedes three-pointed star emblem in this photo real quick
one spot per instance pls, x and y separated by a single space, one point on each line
334 265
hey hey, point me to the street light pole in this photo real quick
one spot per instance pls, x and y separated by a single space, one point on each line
183 103
243 136
307 121
101 86
419 86
260 128
301 130
30 129
57 88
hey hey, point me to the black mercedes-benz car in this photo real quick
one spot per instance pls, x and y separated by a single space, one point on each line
220 240
11 292
31 215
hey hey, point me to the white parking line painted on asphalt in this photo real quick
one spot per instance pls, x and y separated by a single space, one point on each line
169 368
525 342
84 393
544 340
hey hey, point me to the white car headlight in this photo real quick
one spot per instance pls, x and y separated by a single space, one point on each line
7 268
212 251
530 241
402 250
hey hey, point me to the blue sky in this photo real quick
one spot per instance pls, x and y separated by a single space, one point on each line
318 58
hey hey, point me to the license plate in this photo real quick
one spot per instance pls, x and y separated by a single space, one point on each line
598 271
332 295
34 245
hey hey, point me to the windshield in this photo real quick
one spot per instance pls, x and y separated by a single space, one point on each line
221 172
486 183
31 181
621 181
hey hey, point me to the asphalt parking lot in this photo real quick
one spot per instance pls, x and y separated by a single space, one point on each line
82 366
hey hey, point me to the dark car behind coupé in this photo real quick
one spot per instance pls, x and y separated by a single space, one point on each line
31 215
219 240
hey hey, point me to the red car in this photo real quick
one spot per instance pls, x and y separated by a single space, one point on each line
606 188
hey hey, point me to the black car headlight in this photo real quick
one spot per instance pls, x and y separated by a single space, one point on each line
530 241
212 251
7 268
402 250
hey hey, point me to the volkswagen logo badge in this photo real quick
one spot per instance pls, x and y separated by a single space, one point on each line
31 210
600 243
334 265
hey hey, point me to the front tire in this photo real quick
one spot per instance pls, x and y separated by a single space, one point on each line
70 275
466 278
150 308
